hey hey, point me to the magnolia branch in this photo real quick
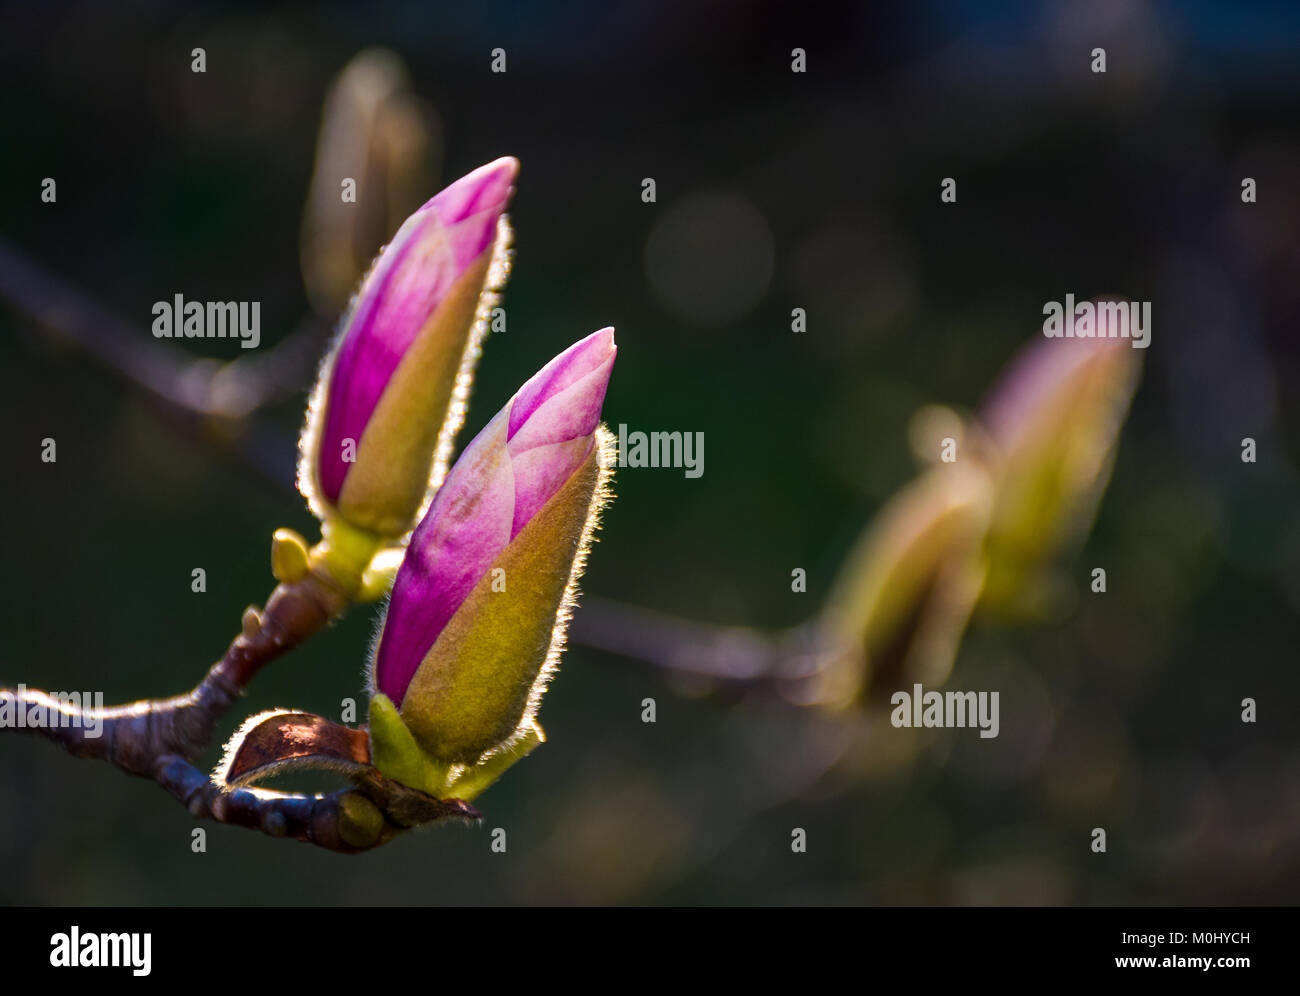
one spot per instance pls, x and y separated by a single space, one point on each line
159 738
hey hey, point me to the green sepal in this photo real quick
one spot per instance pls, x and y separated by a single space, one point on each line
468 783
395 753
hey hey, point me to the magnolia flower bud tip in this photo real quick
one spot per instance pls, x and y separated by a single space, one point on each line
599 344
1039 373
485 190
582 370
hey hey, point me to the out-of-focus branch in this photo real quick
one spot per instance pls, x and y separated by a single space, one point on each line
738 658
200 387
731 653
193 394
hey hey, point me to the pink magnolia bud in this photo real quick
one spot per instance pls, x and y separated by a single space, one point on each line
476 618
391 394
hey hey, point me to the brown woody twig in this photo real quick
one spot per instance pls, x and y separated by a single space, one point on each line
159 738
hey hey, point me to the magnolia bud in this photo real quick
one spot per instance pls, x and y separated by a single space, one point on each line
391 393
903 597
476 620
1053 424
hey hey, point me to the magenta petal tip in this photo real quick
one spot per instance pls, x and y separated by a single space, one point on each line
487 188
584 357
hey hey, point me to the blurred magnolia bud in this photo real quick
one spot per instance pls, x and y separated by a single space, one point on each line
928 431
477 616
1052 424
391 393
902 599
382 138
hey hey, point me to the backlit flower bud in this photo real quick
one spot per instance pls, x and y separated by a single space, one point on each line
376 158
1053 424
904 595
478 610
391 394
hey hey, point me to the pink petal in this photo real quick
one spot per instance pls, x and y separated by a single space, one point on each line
467 526
540 473
430 252
572 412
570 366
